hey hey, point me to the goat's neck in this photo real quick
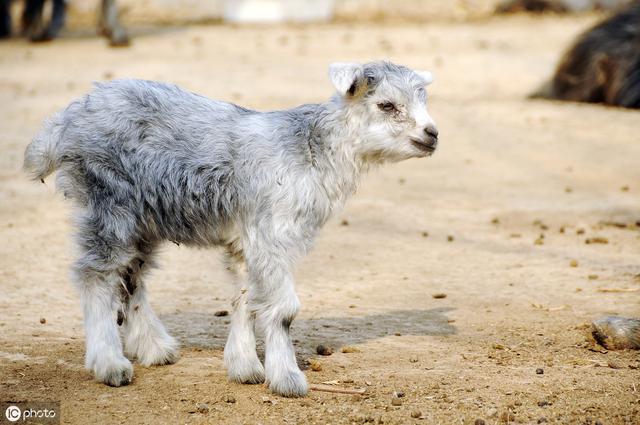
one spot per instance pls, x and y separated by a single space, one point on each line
336 163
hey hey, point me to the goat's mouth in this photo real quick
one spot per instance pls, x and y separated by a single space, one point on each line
424 146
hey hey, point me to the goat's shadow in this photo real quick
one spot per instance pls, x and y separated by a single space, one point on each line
204 330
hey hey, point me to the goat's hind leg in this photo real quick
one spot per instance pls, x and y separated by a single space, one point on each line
240 357
98 281
145 338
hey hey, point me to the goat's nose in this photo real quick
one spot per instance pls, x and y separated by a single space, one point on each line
431 132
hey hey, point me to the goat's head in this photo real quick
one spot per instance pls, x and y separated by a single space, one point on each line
387 108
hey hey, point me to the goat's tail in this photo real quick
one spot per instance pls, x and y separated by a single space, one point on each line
41 157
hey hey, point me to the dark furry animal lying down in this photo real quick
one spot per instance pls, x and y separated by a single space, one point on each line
603 65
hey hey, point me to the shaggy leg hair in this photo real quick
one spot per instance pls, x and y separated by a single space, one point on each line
99 284
145 338
240 357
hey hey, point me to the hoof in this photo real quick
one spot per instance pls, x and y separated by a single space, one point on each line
291 384
244 369
117 374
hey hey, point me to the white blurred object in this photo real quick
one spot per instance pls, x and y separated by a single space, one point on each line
271 11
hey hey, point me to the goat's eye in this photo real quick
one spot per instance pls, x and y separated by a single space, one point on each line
387 107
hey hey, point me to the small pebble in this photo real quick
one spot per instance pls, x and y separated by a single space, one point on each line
202 407
543 403
539 371
539 241
398 394
416 414
492 412
479 422
593 277
507 417
616 333
624 188
439 295
573 263
396 402
613 365
221 313
357 418
315 365
425 234
450 238
43 320
349 349
413 359
323 350
542 420
229 399
580 231
596 239
495 220
344 223
283 40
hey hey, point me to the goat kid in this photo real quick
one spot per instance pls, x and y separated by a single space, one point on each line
146 162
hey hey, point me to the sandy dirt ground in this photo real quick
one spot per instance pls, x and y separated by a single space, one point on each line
463 223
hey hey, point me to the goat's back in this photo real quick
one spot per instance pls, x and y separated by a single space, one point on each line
151 155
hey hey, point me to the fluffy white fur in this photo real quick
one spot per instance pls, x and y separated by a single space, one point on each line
147 162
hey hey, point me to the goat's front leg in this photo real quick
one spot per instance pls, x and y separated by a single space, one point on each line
240 357
276 304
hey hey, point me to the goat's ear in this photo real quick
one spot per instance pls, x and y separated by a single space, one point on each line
346 77
426 76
